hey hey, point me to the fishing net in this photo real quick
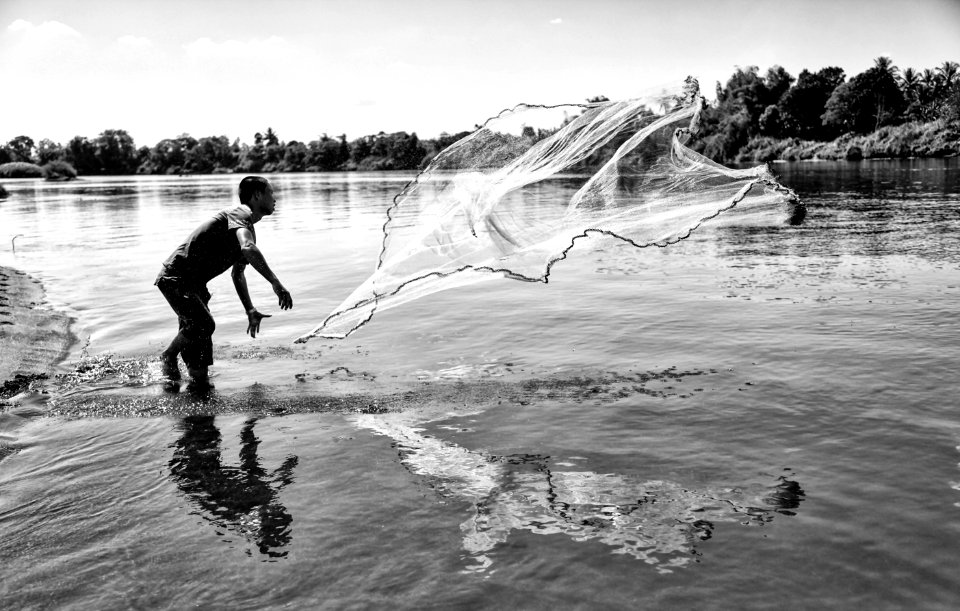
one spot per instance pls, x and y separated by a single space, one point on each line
512 198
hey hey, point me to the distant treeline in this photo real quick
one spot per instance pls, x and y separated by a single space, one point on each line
753 111
113 152
755 117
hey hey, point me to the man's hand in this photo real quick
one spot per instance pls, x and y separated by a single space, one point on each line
254 319
286 301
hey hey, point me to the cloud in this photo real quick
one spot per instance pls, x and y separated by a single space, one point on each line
46 50
48 30
556 21
134 42
236 51
20 26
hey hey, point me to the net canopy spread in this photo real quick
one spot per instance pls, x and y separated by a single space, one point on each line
513 197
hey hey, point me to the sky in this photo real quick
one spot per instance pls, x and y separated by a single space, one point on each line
160 68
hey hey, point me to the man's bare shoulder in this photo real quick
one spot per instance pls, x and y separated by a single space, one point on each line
238 217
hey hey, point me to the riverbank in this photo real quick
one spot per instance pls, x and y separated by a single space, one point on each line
33 338
933 139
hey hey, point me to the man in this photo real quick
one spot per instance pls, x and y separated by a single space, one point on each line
224 241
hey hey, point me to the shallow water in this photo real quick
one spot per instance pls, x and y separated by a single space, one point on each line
752 417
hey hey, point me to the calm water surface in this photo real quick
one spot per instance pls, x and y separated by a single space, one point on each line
751 418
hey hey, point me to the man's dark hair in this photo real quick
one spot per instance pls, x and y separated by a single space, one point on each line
250 186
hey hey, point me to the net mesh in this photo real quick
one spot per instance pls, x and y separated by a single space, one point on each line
513 197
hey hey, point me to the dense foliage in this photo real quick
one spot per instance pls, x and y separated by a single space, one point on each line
58 170
754 111
755 116
20 169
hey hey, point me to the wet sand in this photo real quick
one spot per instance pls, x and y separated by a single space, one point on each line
33 337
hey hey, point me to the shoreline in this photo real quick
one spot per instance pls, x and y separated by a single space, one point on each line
813 154
931 140
34 339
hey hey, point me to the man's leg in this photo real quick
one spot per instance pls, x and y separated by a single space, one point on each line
198 327
194 339
168 358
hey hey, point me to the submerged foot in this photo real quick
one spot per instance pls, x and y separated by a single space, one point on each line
199 377
170 368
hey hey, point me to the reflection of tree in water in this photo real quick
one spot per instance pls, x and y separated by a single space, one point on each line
244 498
658 522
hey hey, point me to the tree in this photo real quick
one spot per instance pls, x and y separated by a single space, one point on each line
266 154
909 81
143 161
746 90
48 150
343 151
167 157
271 137
740 104
867 102
116 152
82 155
948 73
728 137
326 154
209 154
884 64
294 157
910 86
770 123
802 105
251 157
21 148
408 151
950 110
360 149
778 81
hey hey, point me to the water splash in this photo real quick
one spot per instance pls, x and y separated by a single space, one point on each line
655 521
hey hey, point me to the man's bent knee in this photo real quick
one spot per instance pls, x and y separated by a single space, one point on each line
199 329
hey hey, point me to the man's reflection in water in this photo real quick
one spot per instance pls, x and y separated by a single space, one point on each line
243 499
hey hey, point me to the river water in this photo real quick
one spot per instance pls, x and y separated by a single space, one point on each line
749 418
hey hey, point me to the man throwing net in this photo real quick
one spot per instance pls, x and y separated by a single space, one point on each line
228 240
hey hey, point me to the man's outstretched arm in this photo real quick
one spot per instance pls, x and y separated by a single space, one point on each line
240 283
252 254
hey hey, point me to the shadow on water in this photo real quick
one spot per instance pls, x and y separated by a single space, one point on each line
243 498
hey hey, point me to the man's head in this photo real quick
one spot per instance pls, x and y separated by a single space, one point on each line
257 194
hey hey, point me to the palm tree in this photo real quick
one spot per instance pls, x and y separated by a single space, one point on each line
910 85
928 92
930 80
885 64
948 72
909 81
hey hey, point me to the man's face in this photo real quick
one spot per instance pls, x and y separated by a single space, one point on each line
268 203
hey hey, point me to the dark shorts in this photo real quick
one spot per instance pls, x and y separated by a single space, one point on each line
196 323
